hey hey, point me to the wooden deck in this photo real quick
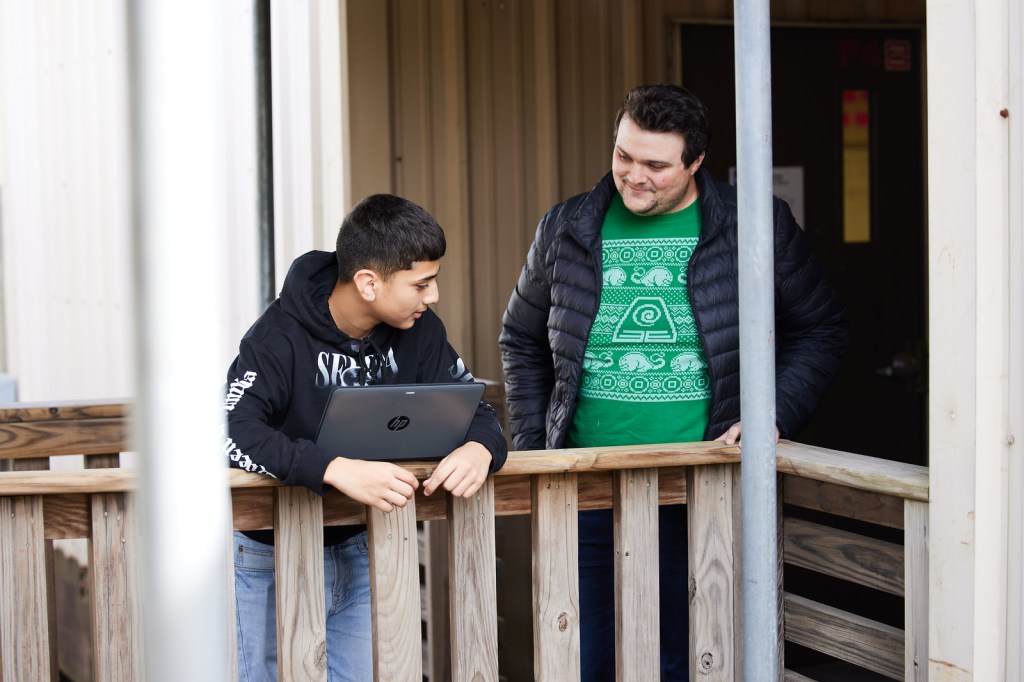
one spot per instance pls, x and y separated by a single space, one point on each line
38 506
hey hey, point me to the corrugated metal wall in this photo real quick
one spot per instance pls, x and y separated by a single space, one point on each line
65 178
65 187
487 113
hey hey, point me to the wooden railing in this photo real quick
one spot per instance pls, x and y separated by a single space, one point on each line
38 506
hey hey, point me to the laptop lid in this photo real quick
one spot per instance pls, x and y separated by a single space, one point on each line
395 422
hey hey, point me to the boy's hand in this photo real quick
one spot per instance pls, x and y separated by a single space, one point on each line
462 472
381 485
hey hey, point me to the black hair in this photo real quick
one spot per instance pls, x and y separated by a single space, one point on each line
667 108
386 234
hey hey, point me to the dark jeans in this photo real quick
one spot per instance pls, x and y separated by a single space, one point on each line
597 600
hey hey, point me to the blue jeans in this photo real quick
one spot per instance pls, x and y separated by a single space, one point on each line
597 590
347 592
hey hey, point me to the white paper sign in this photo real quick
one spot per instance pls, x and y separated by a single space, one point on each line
788 185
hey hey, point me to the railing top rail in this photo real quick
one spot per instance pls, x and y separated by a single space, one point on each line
64 410
908 481
64 428
857 471
619 457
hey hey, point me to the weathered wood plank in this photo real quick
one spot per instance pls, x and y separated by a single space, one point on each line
66 516
63 482
25 635
846 636
596 488
63 411
253 508
619 458
117 610
556 603
844 468
395 589
791 676
299 566
857 471
915 605
108 460
511 491
637 621
860 505
711 510
841 554
29 464
253 511
474 624
54 438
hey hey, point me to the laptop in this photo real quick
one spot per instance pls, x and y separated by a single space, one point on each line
395 422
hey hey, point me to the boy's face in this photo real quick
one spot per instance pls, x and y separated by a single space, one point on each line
407 294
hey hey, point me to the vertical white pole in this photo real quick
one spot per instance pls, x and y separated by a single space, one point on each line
182 122
757 339
994 314
952 380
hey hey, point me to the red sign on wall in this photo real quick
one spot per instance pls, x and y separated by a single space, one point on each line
897 55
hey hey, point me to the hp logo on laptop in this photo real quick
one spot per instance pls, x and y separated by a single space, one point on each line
398 423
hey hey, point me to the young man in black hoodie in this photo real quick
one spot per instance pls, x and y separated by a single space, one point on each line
358 316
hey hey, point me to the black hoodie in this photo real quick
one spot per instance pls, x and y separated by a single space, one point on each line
293 356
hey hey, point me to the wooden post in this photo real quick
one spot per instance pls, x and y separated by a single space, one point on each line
915 591
299 567
712 599
113 570
395 590
474 622
556 603
637 604
25 635
117 613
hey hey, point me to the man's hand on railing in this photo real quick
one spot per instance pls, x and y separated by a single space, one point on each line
381 485
732 436
462 472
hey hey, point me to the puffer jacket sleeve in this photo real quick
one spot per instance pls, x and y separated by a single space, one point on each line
525 351
810 323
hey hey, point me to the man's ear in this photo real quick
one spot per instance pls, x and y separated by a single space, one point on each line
366 282
695 166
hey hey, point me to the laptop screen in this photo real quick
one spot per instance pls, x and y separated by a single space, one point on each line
396 422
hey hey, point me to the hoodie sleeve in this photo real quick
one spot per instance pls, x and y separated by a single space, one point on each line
441 364
258 395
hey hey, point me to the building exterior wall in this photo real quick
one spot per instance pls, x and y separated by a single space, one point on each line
975 261
487 114
65 212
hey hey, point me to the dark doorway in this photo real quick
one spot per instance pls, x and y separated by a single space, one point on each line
848 132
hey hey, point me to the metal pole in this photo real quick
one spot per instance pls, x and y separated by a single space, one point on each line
179 127
757 339
265 151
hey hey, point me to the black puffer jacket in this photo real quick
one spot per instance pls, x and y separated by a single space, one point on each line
551 311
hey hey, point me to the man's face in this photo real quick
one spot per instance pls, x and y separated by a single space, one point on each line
406 295
649 171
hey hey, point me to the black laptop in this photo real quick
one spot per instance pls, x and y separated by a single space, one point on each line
395 422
